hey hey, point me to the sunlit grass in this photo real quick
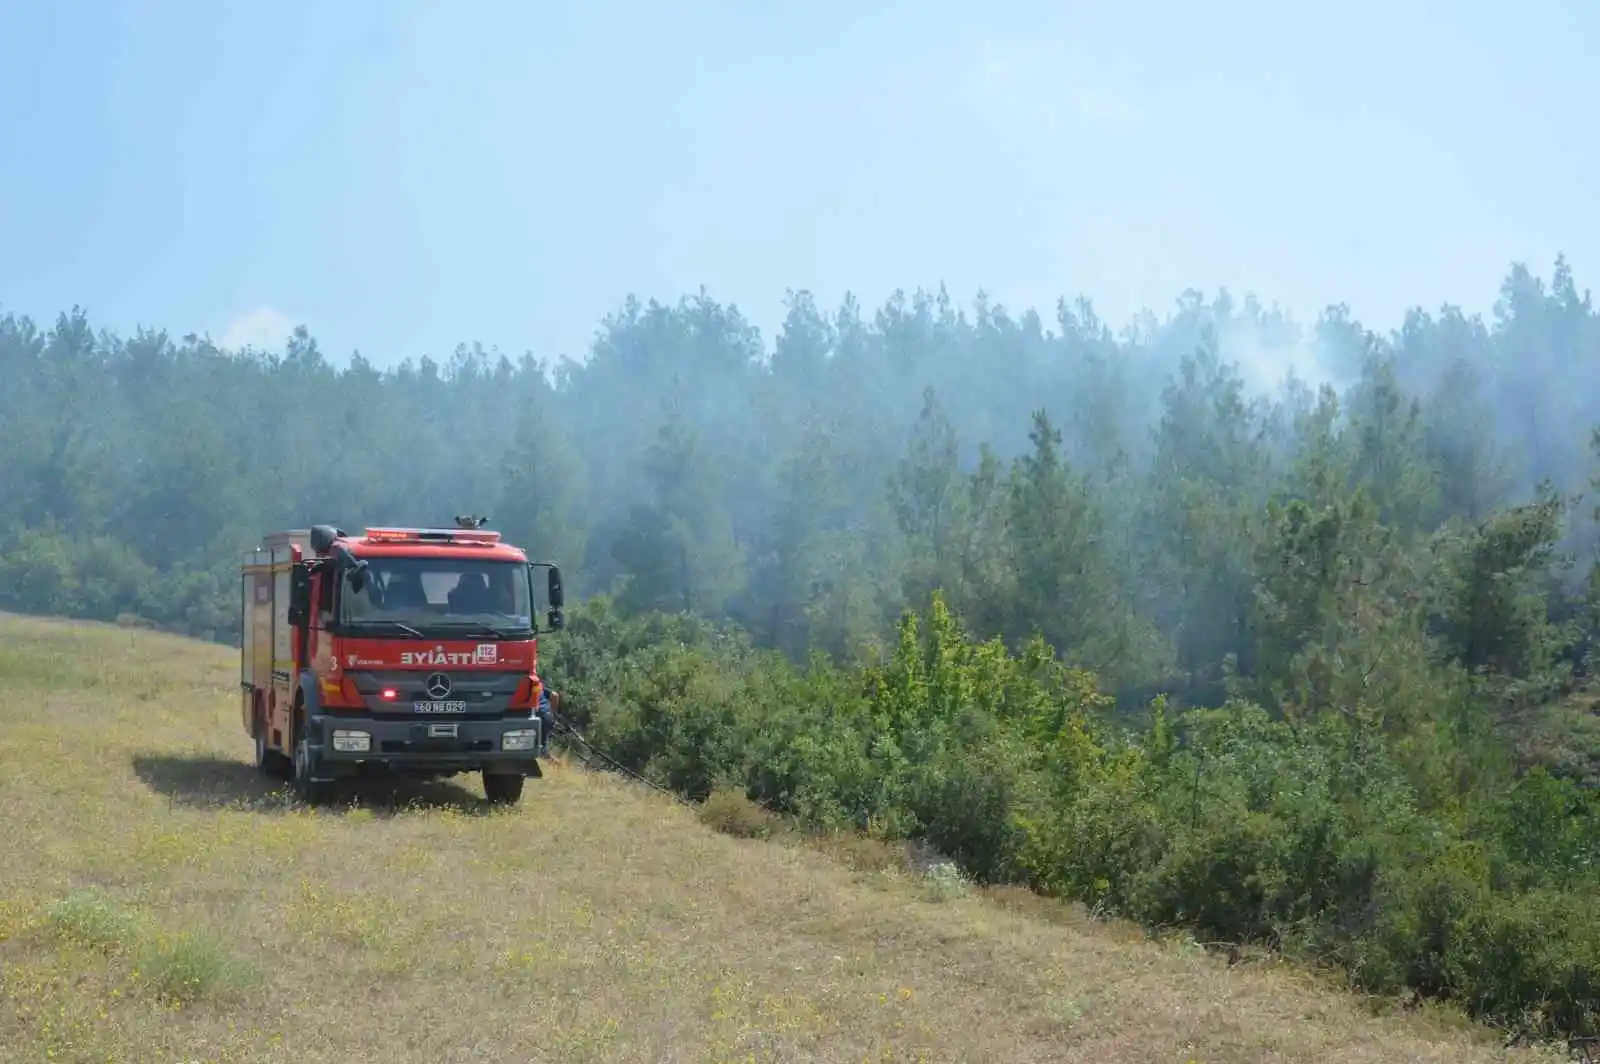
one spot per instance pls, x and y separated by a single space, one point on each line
162 902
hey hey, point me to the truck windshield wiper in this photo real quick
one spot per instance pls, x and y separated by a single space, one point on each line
486 629
396 625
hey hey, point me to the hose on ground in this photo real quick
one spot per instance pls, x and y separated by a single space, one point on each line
566 727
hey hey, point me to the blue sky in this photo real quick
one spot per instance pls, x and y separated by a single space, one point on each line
402 176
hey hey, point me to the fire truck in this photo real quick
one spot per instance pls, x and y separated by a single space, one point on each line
401 651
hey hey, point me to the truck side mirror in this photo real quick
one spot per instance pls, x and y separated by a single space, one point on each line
554 620
299 594
353 568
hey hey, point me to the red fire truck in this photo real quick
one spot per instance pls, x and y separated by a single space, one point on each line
409 651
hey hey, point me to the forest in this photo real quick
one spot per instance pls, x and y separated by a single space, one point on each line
1283 633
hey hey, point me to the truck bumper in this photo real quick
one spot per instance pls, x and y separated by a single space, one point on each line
510 745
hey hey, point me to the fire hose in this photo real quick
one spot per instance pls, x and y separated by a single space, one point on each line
563 726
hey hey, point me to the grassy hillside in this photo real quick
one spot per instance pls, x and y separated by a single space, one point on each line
159 902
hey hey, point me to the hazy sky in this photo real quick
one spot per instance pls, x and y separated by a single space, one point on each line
401 176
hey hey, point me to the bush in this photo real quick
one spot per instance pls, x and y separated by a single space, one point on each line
731 813
1307 835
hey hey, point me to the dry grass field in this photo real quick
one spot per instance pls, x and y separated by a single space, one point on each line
160 902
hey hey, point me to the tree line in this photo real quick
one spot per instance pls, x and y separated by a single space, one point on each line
1132 616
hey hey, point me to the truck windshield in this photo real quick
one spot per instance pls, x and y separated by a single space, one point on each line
440 593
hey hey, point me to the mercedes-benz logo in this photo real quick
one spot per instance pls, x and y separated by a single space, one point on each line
438 686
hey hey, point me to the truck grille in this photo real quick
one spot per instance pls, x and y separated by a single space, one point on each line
483 694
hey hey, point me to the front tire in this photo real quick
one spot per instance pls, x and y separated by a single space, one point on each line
269 762
502 789
308 790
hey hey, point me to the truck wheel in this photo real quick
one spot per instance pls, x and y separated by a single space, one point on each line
269 761
308 790
502 789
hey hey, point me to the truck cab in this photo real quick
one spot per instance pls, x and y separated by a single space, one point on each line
401 651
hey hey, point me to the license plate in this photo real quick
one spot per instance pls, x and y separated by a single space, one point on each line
438 707
442 731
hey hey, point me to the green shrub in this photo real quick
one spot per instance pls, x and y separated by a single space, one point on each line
731 813
89 918
1311 835
189 967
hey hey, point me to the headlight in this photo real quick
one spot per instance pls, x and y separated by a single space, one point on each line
526 739
352 742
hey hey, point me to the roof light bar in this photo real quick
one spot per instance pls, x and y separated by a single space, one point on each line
473 537
393 535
